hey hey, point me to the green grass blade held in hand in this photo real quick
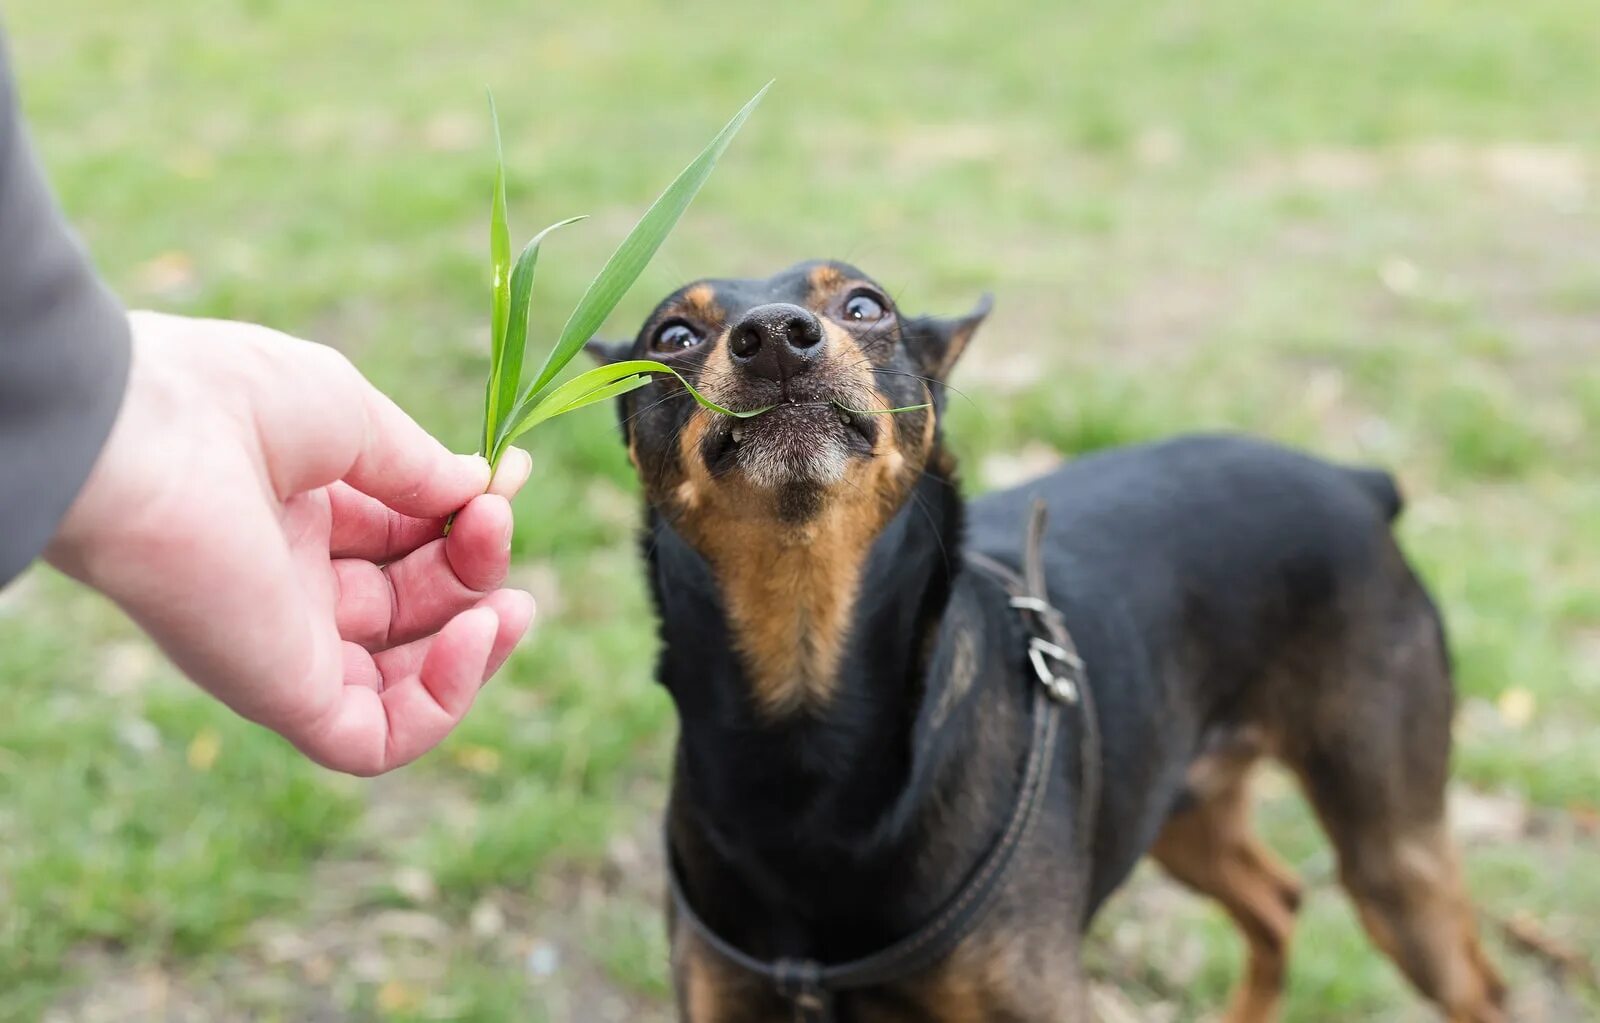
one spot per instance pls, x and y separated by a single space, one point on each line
533 411
500 262
575 393
631 257
600 394
506 373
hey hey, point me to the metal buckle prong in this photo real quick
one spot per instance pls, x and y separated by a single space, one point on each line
1065 656
1058 686
1037 605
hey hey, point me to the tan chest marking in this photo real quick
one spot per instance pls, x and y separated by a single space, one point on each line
788 589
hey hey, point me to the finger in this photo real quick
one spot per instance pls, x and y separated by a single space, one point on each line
403 466
369 732
319 420
412 597
515 609
361 668
515 466
423 708
481 555
364 527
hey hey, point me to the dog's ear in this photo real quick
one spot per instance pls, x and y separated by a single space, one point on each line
607 352
936 343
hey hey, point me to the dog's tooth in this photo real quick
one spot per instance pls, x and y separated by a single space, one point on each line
738 434
844 417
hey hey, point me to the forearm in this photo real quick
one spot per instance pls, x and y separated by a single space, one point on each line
64 351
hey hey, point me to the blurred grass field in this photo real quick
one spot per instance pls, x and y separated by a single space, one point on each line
1373 232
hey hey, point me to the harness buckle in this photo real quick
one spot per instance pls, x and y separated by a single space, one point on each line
799 981
1038 605
1063 688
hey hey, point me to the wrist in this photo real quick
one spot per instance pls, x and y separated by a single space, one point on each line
114 502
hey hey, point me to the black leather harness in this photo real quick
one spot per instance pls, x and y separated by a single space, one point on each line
810 987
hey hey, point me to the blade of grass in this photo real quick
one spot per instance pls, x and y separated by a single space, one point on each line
533 411
880 411
704 402
500 260
631 257
506 373
609 391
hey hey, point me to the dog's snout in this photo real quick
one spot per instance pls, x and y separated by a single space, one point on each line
776 341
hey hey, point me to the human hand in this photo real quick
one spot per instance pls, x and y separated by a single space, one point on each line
274 522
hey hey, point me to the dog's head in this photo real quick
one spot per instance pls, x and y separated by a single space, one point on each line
785 506
823 348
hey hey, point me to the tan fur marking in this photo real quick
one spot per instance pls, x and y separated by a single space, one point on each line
928 425
717 368
1211 849
824 280
789 589
700 301
995 973
958 997
700 987
1420 916
845 350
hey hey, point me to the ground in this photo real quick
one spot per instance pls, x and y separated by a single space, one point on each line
1372 232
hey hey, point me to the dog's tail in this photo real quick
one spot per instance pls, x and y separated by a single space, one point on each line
1381 487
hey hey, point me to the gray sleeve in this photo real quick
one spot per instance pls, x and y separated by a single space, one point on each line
64 351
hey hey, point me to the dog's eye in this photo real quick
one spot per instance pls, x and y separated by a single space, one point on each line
675 336
863 306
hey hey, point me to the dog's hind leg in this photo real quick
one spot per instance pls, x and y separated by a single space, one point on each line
1408 892
1372 749
1210 847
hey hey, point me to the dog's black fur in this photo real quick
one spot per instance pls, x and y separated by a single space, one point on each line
1229 596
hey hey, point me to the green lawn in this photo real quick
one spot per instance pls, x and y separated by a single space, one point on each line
1374 233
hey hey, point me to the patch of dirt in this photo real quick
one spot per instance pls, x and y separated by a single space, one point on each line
1008 468
119 991
1557 174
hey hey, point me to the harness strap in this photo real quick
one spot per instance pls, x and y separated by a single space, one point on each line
810 987
1030 595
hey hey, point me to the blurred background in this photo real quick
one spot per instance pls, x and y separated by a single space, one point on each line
1373 232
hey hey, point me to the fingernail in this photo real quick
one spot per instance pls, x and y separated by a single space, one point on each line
515 466
477 463
505 539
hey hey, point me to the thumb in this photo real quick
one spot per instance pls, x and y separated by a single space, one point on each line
319 420
405 467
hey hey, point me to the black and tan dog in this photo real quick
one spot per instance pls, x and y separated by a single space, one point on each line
855 699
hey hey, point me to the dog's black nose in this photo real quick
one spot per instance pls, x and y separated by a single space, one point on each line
776 341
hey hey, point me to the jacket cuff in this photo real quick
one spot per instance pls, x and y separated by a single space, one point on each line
64 353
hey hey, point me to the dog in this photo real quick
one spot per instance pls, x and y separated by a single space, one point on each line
860 697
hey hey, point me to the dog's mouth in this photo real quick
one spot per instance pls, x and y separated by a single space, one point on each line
791 442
